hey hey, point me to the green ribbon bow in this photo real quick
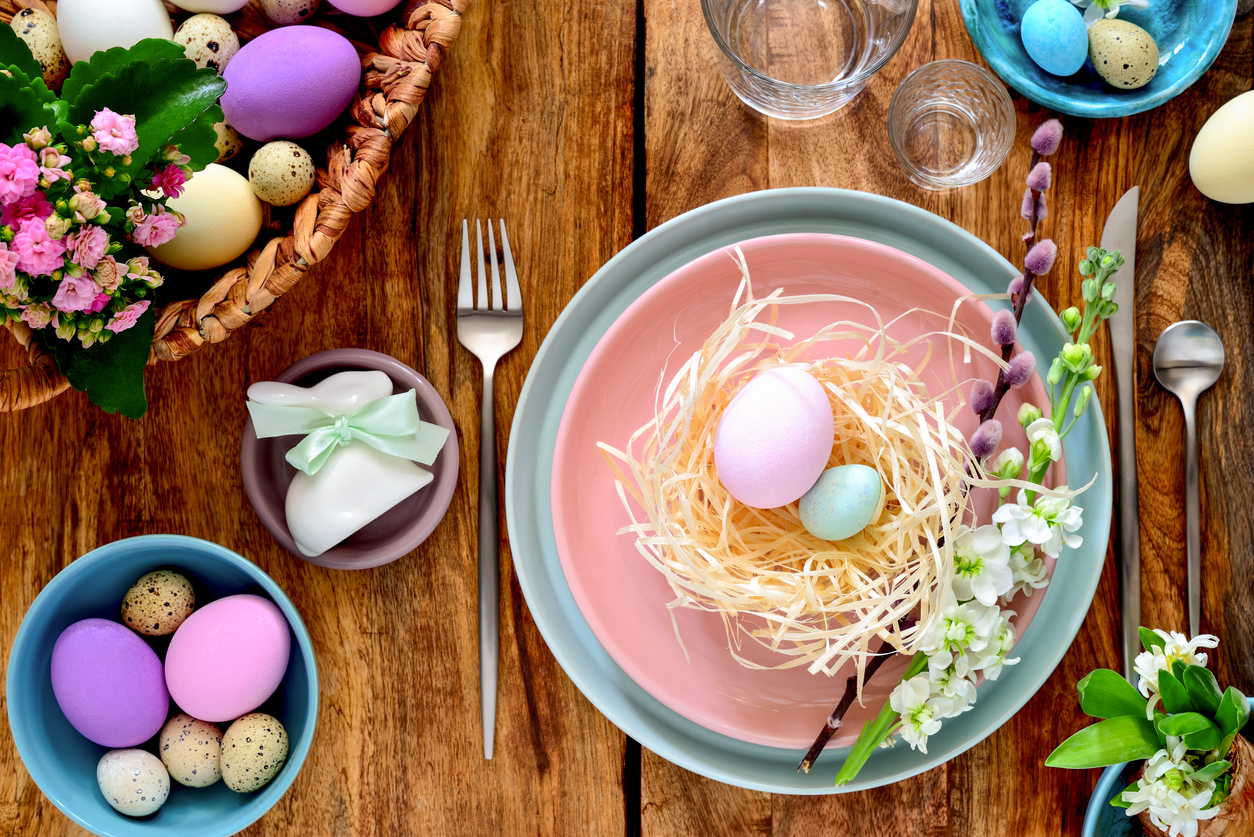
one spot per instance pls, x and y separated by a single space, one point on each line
390 425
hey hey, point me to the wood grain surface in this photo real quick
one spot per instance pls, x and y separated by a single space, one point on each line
582 124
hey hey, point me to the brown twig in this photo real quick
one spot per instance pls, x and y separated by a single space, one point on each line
834 721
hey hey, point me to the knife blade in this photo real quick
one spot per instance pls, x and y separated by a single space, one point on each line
1119 233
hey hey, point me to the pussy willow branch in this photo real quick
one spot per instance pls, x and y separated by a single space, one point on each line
885 652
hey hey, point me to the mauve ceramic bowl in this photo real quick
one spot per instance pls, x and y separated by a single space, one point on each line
398 531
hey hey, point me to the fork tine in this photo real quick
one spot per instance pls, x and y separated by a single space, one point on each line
513 294
496 276
464 298
482 295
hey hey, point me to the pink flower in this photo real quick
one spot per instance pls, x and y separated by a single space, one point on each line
37 315
114 132
108 273
86 203
170 181
52 163
128 316
76 293
8 267
39 253
19 172
175 156
38 138
101 300
87 245
31 206
156 229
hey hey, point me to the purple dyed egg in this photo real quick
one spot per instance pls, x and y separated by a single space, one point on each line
290 82
109 683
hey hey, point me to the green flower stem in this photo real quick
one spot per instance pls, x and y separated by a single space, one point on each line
876 731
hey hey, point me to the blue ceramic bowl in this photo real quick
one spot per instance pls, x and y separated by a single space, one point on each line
63 763
1189 33
1105 820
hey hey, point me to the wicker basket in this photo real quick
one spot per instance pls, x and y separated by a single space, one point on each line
398 71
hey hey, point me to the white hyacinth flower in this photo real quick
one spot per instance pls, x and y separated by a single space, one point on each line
1027 572
1050 523
961 627
1043 431
1176 802
981 565
995 655
910 700
1095 10
1176 648
950 675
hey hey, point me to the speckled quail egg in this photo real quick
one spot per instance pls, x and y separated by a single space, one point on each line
281 173
1124 54
39 30
134 782
228 142
289 12
208 40
253 752
190 750
158 603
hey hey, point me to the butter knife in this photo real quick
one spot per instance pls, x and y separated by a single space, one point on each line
1120 234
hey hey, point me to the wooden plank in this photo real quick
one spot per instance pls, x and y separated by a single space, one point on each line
530 120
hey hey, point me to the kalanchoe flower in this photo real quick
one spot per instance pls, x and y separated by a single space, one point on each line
1050 523
86 204
108 273
1040 259
986 438
37 138
1021 369
981 565
32 206
1047 137
156 228
75 293
128 316
37 315
57 226
169 180
38 253
981 395
52 165
172 154
102 299
86 245
1039 177
19 172
114 132
1004 329
8 267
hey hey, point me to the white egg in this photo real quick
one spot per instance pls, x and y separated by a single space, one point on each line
134 782
89 26
213 7
223 218
1222 160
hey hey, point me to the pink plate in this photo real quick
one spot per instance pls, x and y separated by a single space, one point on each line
620 595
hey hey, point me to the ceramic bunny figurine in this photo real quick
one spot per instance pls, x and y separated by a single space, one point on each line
356 483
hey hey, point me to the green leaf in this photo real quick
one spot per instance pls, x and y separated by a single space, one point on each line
1113 741
1185 723
165 97
1175 696
1105 694
1151 641
15 54
1205 739
112 374
199 140
1118 800
1203 689
1211 771
23 104
875 731
106 62
1233 711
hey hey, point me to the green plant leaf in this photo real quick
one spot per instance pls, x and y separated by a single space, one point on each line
875 731
1204 739
1118 800
1151 641
1211 771
1105 694
15 54
1108 742
1233 711
86 73
112 374
199 140
23 104
1203 689
1175 696
1184 723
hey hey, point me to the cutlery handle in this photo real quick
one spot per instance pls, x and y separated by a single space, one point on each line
489 565
1193 519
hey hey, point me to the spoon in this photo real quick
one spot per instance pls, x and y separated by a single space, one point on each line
1187 360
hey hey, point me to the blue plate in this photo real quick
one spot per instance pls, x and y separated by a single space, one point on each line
529 465
1189 34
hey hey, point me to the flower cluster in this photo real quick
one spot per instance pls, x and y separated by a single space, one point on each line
66 260
1095 10
1174 790
1176 648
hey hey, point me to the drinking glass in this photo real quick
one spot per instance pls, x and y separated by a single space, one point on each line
951 124
802 59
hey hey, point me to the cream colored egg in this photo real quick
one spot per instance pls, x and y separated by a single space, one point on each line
134 782
289 12
1222 160
39 30
88 26
191 751
228 142
253 752
158 603
223 218
208 40
281 173
1124 54
213 7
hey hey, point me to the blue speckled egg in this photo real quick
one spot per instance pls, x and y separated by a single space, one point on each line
1055 37
842 502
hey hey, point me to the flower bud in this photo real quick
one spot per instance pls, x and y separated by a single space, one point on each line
1108 291
986 438
89 144
1021 369
1039 178
65 330
1088 290
1004 329
1047 137
981 396
1056 371
1077 356
1015 287
1041 212
1085 267
37 138
1040 259
1009 464
1025 209
1082 401
1071 319
1091 373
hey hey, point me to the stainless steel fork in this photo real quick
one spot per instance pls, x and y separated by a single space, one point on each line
489 332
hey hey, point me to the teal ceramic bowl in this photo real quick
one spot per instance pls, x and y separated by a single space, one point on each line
1189 34
63 763
1102 819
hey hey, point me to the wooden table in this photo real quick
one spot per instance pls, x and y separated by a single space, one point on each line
584 125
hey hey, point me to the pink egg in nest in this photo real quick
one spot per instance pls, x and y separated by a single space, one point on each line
364 8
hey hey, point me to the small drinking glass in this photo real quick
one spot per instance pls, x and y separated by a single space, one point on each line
802 59
951 124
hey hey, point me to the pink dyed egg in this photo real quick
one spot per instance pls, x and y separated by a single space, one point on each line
109 684
775 438
290 82
364 8
228 657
